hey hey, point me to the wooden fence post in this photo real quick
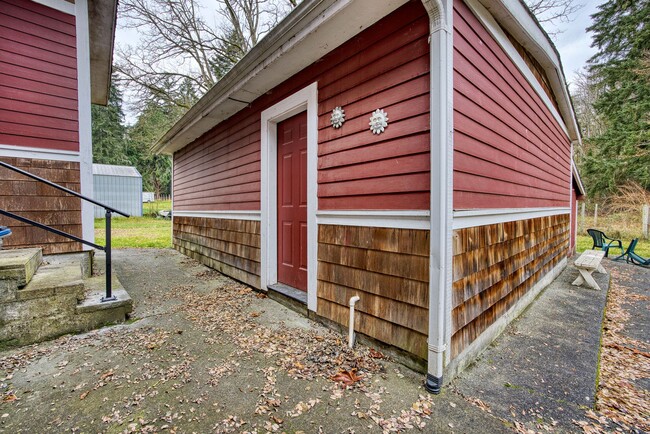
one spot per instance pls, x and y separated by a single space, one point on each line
582 219
596 216
645 221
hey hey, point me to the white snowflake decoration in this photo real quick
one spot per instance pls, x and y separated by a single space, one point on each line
338 117
378 121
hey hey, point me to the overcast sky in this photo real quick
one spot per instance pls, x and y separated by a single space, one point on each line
574 44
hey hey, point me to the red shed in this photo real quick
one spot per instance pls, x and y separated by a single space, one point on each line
416 154
55 59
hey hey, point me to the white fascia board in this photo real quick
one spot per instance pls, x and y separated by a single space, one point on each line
313 29
224 215
483 217
380 219
576 176
37 153
59 5
514 17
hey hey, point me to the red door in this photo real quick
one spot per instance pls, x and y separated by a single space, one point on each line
292 201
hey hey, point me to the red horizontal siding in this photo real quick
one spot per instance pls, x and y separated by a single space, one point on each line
509 150
38 77
386 66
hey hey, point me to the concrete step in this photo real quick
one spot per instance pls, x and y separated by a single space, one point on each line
61 298
93 312
54 277
17 267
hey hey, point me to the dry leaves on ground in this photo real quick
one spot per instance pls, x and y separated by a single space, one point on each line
620 401
347 378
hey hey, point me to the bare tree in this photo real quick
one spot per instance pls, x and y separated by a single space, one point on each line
584 94
178 54
550 13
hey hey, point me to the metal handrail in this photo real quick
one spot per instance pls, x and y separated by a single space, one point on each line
50 229
57 186
109 211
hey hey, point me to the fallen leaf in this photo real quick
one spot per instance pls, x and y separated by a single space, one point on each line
348 378
9 398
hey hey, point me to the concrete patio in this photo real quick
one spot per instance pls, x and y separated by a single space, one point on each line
206 354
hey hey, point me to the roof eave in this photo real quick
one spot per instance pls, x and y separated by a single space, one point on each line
257 72
102 17
298 41
578 179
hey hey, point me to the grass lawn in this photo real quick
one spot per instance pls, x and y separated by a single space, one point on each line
135 232
152 208
642 248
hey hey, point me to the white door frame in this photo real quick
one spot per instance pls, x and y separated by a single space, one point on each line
303 100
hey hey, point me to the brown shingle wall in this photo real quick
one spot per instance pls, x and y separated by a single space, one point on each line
229 246
389 270
42 203
495 265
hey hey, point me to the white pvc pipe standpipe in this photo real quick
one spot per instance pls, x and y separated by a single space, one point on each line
353 301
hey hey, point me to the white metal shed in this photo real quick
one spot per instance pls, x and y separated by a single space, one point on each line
119 187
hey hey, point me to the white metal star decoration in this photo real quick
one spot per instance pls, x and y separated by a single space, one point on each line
338 117
378 121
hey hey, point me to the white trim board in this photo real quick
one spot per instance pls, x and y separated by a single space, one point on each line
226 214
305 99
37 153
379 219
486 18
517 20
85 129
59 5
171 229
482 217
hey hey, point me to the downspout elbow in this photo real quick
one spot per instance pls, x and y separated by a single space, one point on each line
353 301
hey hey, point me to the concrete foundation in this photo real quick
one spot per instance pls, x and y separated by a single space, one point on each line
42 298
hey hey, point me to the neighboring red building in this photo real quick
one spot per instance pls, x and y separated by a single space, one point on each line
577 193
446 218
55 59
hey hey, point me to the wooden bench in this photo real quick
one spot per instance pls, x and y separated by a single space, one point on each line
586 264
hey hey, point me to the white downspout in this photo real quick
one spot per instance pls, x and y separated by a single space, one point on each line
353 301
441 128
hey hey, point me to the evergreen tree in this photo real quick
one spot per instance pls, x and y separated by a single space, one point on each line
621 33
232 49
108 130
154 120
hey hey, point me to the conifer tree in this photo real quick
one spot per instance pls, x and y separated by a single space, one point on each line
108 130
621 33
